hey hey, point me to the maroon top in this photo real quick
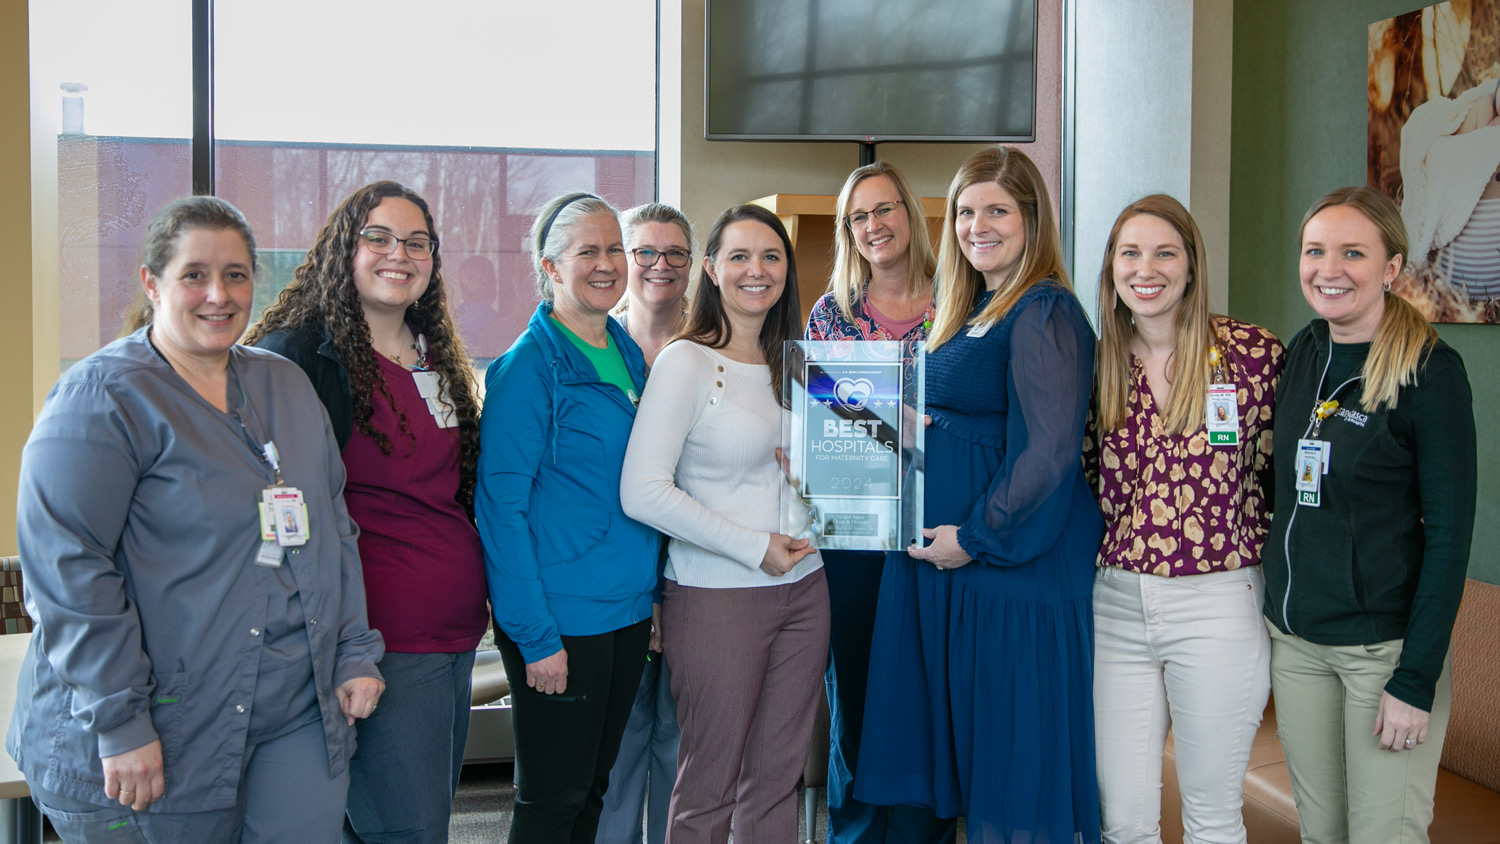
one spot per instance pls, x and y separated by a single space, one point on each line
1174 505
423 566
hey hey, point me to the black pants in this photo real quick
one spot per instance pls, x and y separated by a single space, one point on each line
567 743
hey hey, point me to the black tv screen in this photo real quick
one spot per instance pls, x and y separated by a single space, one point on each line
871 70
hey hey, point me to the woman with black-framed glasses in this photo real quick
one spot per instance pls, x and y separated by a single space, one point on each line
660 242
367 319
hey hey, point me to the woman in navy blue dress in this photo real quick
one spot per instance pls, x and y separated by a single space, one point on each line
980 671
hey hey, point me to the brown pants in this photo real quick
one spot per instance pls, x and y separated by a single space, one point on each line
747 669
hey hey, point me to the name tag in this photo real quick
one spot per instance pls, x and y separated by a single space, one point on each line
287 514
1311 465
438 403
1223 415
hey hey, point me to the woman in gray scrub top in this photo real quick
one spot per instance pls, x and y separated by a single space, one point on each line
199 658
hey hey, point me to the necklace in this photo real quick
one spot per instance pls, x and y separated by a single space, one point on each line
418 345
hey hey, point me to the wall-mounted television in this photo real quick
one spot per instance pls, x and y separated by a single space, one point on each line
871 70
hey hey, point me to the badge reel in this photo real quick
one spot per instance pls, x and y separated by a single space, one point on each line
283 516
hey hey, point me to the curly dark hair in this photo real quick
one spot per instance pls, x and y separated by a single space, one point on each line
322 293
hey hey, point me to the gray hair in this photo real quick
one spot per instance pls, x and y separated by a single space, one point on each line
552 231
655 212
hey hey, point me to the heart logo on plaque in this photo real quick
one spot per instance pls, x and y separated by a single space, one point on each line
853 393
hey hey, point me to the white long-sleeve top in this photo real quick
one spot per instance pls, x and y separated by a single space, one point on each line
701 467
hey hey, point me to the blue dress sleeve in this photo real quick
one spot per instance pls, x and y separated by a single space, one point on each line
1048 387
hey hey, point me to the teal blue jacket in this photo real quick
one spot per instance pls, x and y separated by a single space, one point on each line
561 556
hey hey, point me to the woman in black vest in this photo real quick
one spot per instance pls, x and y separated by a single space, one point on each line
1374 510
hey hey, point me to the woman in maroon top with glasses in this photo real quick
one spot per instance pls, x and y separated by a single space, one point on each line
1178 440
366 317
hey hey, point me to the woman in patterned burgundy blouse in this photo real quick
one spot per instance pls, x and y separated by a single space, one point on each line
1178 439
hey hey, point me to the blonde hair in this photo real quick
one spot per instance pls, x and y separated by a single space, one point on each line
850 269
1404 338
652 212
958 283
1188 369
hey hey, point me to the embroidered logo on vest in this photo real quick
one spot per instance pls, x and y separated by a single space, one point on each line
1351 416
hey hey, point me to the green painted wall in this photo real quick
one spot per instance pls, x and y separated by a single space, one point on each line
1298 132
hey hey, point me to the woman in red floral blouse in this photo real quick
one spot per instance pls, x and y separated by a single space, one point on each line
1178 440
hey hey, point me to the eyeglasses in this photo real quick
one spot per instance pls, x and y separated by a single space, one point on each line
881 213
647 257
418 247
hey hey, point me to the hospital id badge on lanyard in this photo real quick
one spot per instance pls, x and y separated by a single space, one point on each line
283 515
1222 409
1313 456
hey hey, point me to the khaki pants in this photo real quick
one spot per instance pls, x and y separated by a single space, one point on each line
1347 788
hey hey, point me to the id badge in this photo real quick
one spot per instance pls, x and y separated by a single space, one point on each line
269 553
267 523
1310 465
289 515
443 411
438 403
427 383
1223 412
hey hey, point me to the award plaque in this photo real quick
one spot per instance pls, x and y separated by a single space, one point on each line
851 441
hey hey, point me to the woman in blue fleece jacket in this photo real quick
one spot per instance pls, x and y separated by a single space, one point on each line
570 575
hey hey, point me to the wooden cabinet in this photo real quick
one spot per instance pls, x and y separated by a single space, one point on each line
809 221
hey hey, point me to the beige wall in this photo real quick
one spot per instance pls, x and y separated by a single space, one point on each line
722 173
15 245
1213 84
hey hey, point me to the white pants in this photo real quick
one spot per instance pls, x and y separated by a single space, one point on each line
1187 653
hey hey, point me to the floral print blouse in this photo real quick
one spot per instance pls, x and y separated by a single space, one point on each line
827 322
1174 505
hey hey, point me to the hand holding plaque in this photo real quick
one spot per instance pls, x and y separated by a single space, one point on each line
852 440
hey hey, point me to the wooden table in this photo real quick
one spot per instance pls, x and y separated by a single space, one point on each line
22 821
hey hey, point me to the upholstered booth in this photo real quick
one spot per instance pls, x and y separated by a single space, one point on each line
1467 808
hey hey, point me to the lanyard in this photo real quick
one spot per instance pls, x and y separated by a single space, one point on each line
1326 407
263 448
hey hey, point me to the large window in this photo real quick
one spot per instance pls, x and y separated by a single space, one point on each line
487 109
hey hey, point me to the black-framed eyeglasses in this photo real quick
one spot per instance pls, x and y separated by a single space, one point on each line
881 213
418 246
647 257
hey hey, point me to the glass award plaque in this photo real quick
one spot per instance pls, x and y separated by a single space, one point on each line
852 441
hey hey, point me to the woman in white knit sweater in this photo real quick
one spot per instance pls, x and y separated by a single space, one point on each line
745 608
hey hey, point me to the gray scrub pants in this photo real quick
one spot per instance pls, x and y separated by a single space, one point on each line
285 795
